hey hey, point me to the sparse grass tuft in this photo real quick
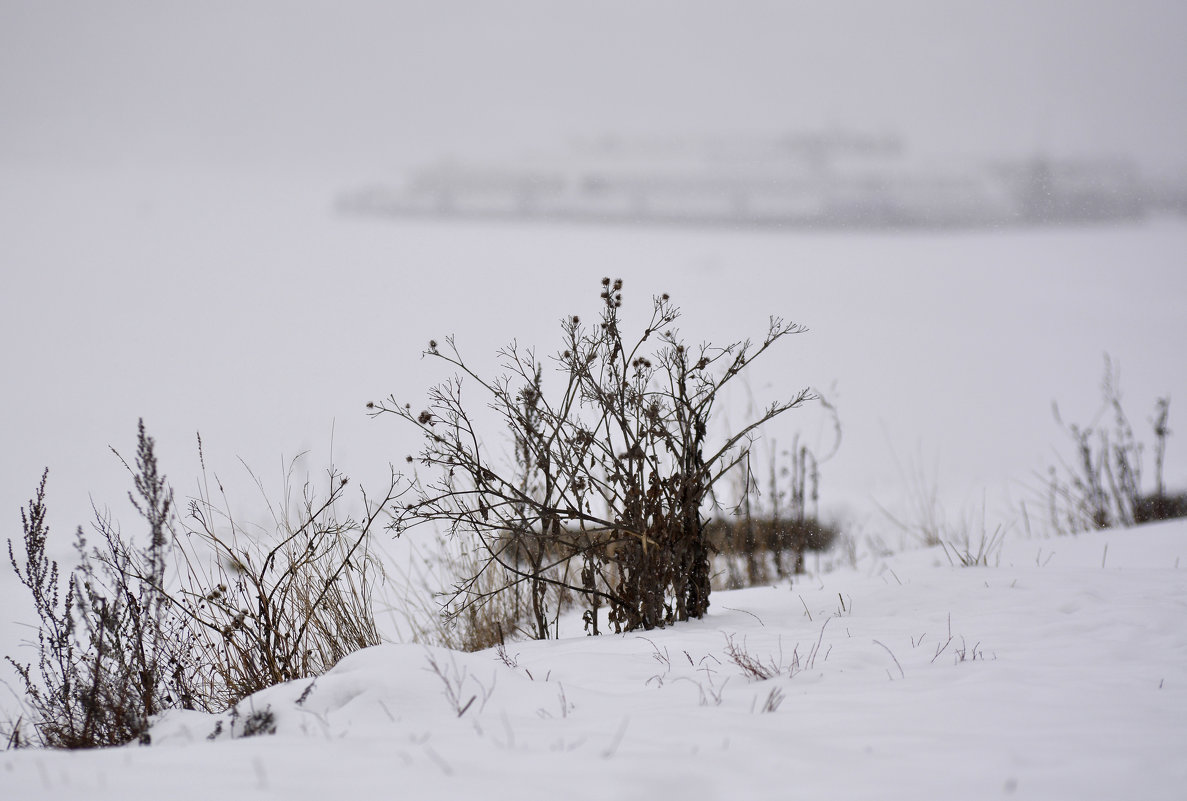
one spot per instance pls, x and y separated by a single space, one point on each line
774 700
754 667
455 681
1102 485
965 550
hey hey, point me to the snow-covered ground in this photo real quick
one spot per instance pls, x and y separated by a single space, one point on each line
1057 672
168 250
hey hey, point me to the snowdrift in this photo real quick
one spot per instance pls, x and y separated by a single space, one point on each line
1060 671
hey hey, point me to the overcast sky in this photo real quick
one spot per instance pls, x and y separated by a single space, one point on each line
370 86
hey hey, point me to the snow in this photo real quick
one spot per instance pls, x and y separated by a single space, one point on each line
1065 678
168 249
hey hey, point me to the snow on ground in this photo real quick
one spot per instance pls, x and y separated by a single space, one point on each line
1058 672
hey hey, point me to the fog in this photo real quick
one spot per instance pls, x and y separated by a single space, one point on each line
168 244
361 88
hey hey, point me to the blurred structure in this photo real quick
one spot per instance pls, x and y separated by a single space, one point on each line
831 179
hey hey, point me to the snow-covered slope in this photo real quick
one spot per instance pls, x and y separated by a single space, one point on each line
1059 672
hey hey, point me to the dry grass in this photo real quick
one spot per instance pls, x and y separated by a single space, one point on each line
1102 484
273 603
208 612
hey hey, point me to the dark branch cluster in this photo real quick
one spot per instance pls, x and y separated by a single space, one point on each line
603 499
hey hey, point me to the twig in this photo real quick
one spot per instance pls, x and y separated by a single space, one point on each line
613 747
892 656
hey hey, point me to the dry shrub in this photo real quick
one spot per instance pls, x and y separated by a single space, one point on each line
1102 485
201 616
112 652
603 499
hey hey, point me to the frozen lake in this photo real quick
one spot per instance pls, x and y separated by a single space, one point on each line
241 307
